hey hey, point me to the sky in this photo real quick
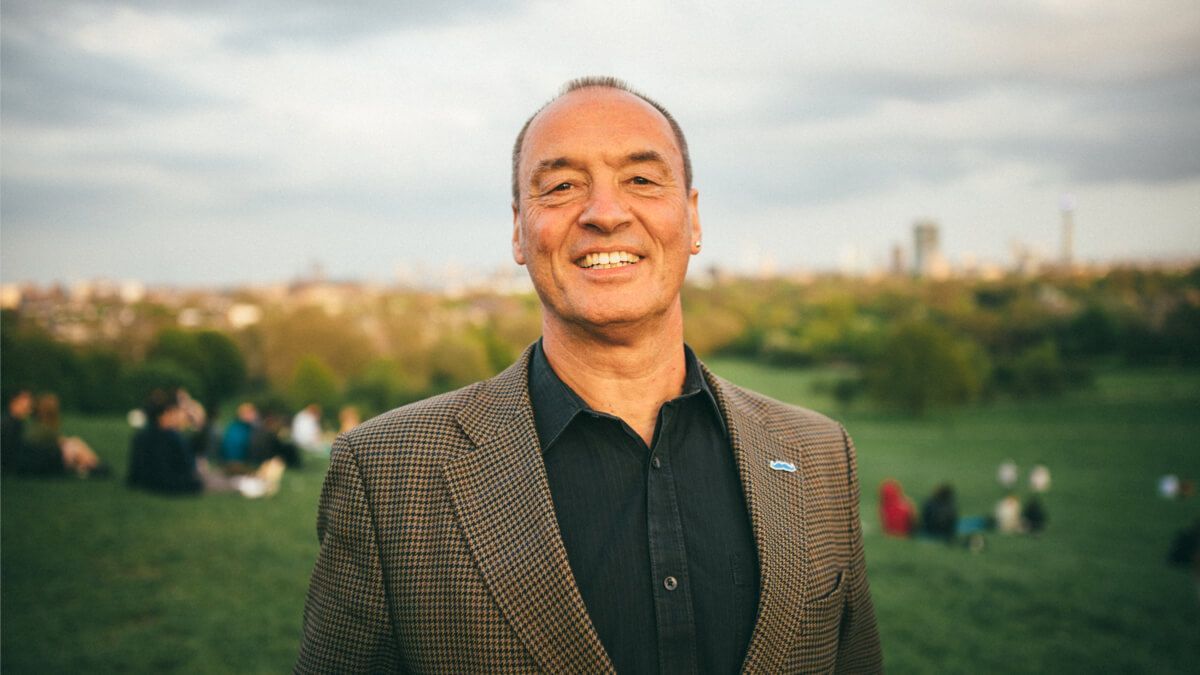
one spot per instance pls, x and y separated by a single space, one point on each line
224 142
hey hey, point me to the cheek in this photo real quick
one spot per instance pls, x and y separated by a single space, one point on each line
543 234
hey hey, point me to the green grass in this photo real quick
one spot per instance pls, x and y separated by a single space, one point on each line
1093 594
96 578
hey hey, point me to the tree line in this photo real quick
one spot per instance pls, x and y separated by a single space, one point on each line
912 344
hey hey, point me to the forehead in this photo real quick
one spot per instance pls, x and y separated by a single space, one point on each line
598 120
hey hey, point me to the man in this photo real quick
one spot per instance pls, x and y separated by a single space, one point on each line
606 502
159 460
12 430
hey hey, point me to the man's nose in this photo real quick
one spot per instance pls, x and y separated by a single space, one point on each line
606 209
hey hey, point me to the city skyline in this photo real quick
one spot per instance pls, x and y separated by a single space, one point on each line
221 144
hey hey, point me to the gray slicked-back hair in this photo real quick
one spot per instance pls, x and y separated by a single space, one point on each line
608 83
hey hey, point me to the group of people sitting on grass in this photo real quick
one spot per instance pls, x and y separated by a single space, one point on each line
177 448
169 453
32 443
939 519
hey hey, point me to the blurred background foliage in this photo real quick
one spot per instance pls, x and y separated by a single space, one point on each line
904 343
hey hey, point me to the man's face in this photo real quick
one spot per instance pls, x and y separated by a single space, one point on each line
603 220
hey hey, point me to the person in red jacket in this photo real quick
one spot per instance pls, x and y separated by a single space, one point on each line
897 512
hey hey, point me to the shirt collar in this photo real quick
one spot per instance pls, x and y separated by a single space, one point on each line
555 404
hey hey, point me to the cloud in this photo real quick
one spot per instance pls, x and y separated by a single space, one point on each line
315 124
60 84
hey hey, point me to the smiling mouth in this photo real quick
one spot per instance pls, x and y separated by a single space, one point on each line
608 260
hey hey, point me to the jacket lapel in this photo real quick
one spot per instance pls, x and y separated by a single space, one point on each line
775 500
502 499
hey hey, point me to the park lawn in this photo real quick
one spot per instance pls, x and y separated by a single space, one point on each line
1093 593
99 578
96 578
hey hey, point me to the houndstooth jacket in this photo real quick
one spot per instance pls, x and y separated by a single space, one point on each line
440 551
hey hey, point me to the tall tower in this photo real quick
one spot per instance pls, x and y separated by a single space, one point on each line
927 254
1067 206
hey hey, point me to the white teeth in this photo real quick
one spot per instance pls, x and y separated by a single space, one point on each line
607 260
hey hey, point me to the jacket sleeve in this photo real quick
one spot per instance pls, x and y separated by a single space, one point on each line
858 643
347 628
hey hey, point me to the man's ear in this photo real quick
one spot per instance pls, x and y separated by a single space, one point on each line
518 251
694 217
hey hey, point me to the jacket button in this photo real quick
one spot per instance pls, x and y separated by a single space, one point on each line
670 583
656 462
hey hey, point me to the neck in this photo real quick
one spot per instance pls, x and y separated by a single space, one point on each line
628 373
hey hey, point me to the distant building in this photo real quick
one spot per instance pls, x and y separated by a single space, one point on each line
1026 261
1067 256
898 264
928 261
242 314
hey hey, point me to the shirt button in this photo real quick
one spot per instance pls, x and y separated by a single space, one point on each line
656 462
670 583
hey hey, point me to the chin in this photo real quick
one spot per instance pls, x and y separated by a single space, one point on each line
615 317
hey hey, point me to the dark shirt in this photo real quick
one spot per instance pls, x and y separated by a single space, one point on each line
12 431
29 450
159 461
658 538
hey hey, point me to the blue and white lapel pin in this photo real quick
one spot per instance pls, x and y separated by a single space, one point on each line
780 465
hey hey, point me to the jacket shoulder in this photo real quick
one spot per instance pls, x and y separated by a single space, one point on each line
781 418
443 407
421 427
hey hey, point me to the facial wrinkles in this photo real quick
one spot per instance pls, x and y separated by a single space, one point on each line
576 154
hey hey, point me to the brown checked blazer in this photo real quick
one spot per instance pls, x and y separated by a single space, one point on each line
440 551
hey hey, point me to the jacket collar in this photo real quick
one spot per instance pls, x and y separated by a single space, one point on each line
502 498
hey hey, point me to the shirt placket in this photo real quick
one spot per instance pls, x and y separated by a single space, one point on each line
668 557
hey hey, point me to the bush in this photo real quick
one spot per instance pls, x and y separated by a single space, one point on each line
923 364
1037 371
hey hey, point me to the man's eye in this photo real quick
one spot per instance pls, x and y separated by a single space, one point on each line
641 180
561 187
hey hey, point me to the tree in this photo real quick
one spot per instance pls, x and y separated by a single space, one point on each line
99 371
224 368
212 358
1093 332
166 374
1037 371
383 385
313 382
288 338
31 359
458 359
923 364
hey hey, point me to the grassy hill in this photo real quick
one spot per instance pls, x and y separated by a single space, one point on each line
96 578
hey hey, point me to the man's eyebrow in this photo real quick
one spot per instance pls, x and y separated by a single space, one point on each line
641 156
644 156
556 163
